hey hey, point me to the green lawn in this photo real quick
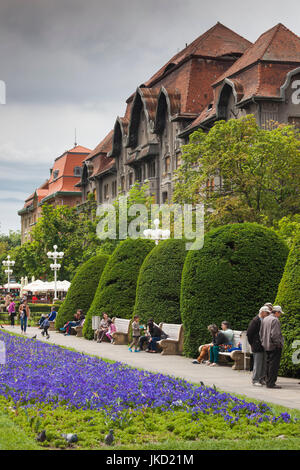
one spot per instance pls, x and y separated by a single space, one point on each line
12 437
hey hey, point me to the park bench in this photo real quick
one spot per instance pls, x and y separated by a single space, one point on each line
122 326
173 344
240 358
77 330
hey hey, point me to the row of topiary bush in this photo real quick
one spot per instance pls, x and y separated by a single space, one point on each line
238 269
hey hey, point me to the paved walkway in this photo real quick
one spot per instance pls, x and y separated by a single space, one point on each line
223 377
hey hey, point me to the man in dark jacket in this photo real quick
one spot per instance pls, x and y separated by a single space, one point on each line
259 360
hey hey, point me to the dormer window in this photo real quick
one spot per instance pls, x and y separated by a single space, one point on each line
78 171
55 174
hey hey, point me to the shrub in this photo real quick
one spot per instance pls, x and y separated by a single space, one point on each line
117 287
237 271
82 289
288 297
159 281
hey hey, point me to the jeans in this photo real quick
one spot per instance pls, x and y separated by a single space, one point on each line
259 367
69 326
152 344
23 324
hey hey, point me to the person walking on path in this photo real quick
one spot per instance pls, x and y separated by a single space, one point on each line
259 355
12 312
272 341
24 312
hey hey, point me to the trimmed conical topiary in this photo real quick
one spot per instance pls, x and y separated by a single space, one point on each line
159 282
82 290
117 287
236 272
288 297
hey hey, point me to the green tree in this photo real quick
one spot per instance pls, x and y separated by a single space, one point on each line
259 171
159 281
138 194
288 297
116 291
236 272
287 228
82 290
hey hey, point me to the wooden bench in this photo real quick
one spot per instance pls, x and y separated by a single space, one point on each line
122 326
241 358
174 343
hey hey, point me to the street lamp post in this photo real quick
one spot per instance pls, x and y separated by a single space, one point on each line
55 255
8 263
156 234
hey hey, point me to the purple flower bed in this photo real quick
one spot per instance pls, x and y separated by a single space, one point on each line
37 372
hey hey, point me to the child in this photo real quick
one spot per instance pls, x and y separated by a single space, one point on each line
111 329
136 332
45 326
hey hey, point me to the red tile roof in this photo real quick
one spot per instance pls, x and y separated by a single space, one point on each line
98 157
103 147
278 44
218 41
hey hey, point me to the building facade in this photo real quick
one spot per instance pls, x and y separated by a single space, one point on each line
220 75
59 189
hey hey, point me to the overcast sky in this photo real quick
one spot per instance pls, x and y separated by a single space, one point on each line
72 64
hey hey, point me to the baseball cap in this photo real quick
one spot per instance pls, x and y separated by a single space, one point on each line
277 308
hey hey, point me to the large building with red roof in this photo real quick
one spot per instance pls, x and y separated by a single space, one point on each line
59 189
220 75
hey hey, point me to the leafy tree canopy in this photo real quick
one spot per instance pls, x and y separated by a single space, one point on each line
259 172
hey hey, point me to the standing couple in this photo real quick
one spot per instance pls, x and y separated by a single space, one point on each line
266 341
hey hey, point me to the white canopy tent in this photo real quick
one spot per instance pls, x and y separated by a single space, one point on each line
12 285
40 286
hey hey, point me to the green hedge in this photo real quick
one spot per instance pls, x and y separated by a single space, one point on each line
159 281
117 287
82 290
236 272
288 297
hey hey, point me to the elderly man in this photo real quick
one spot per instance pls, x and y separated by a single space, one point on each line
259 356
272 341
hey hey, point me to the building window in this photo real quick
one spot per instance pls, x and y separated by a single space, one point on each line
151 169
78 171
167 165
210 185
106 191
130 179
122 183
164 197
178 160
114 189
55 174
138 174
